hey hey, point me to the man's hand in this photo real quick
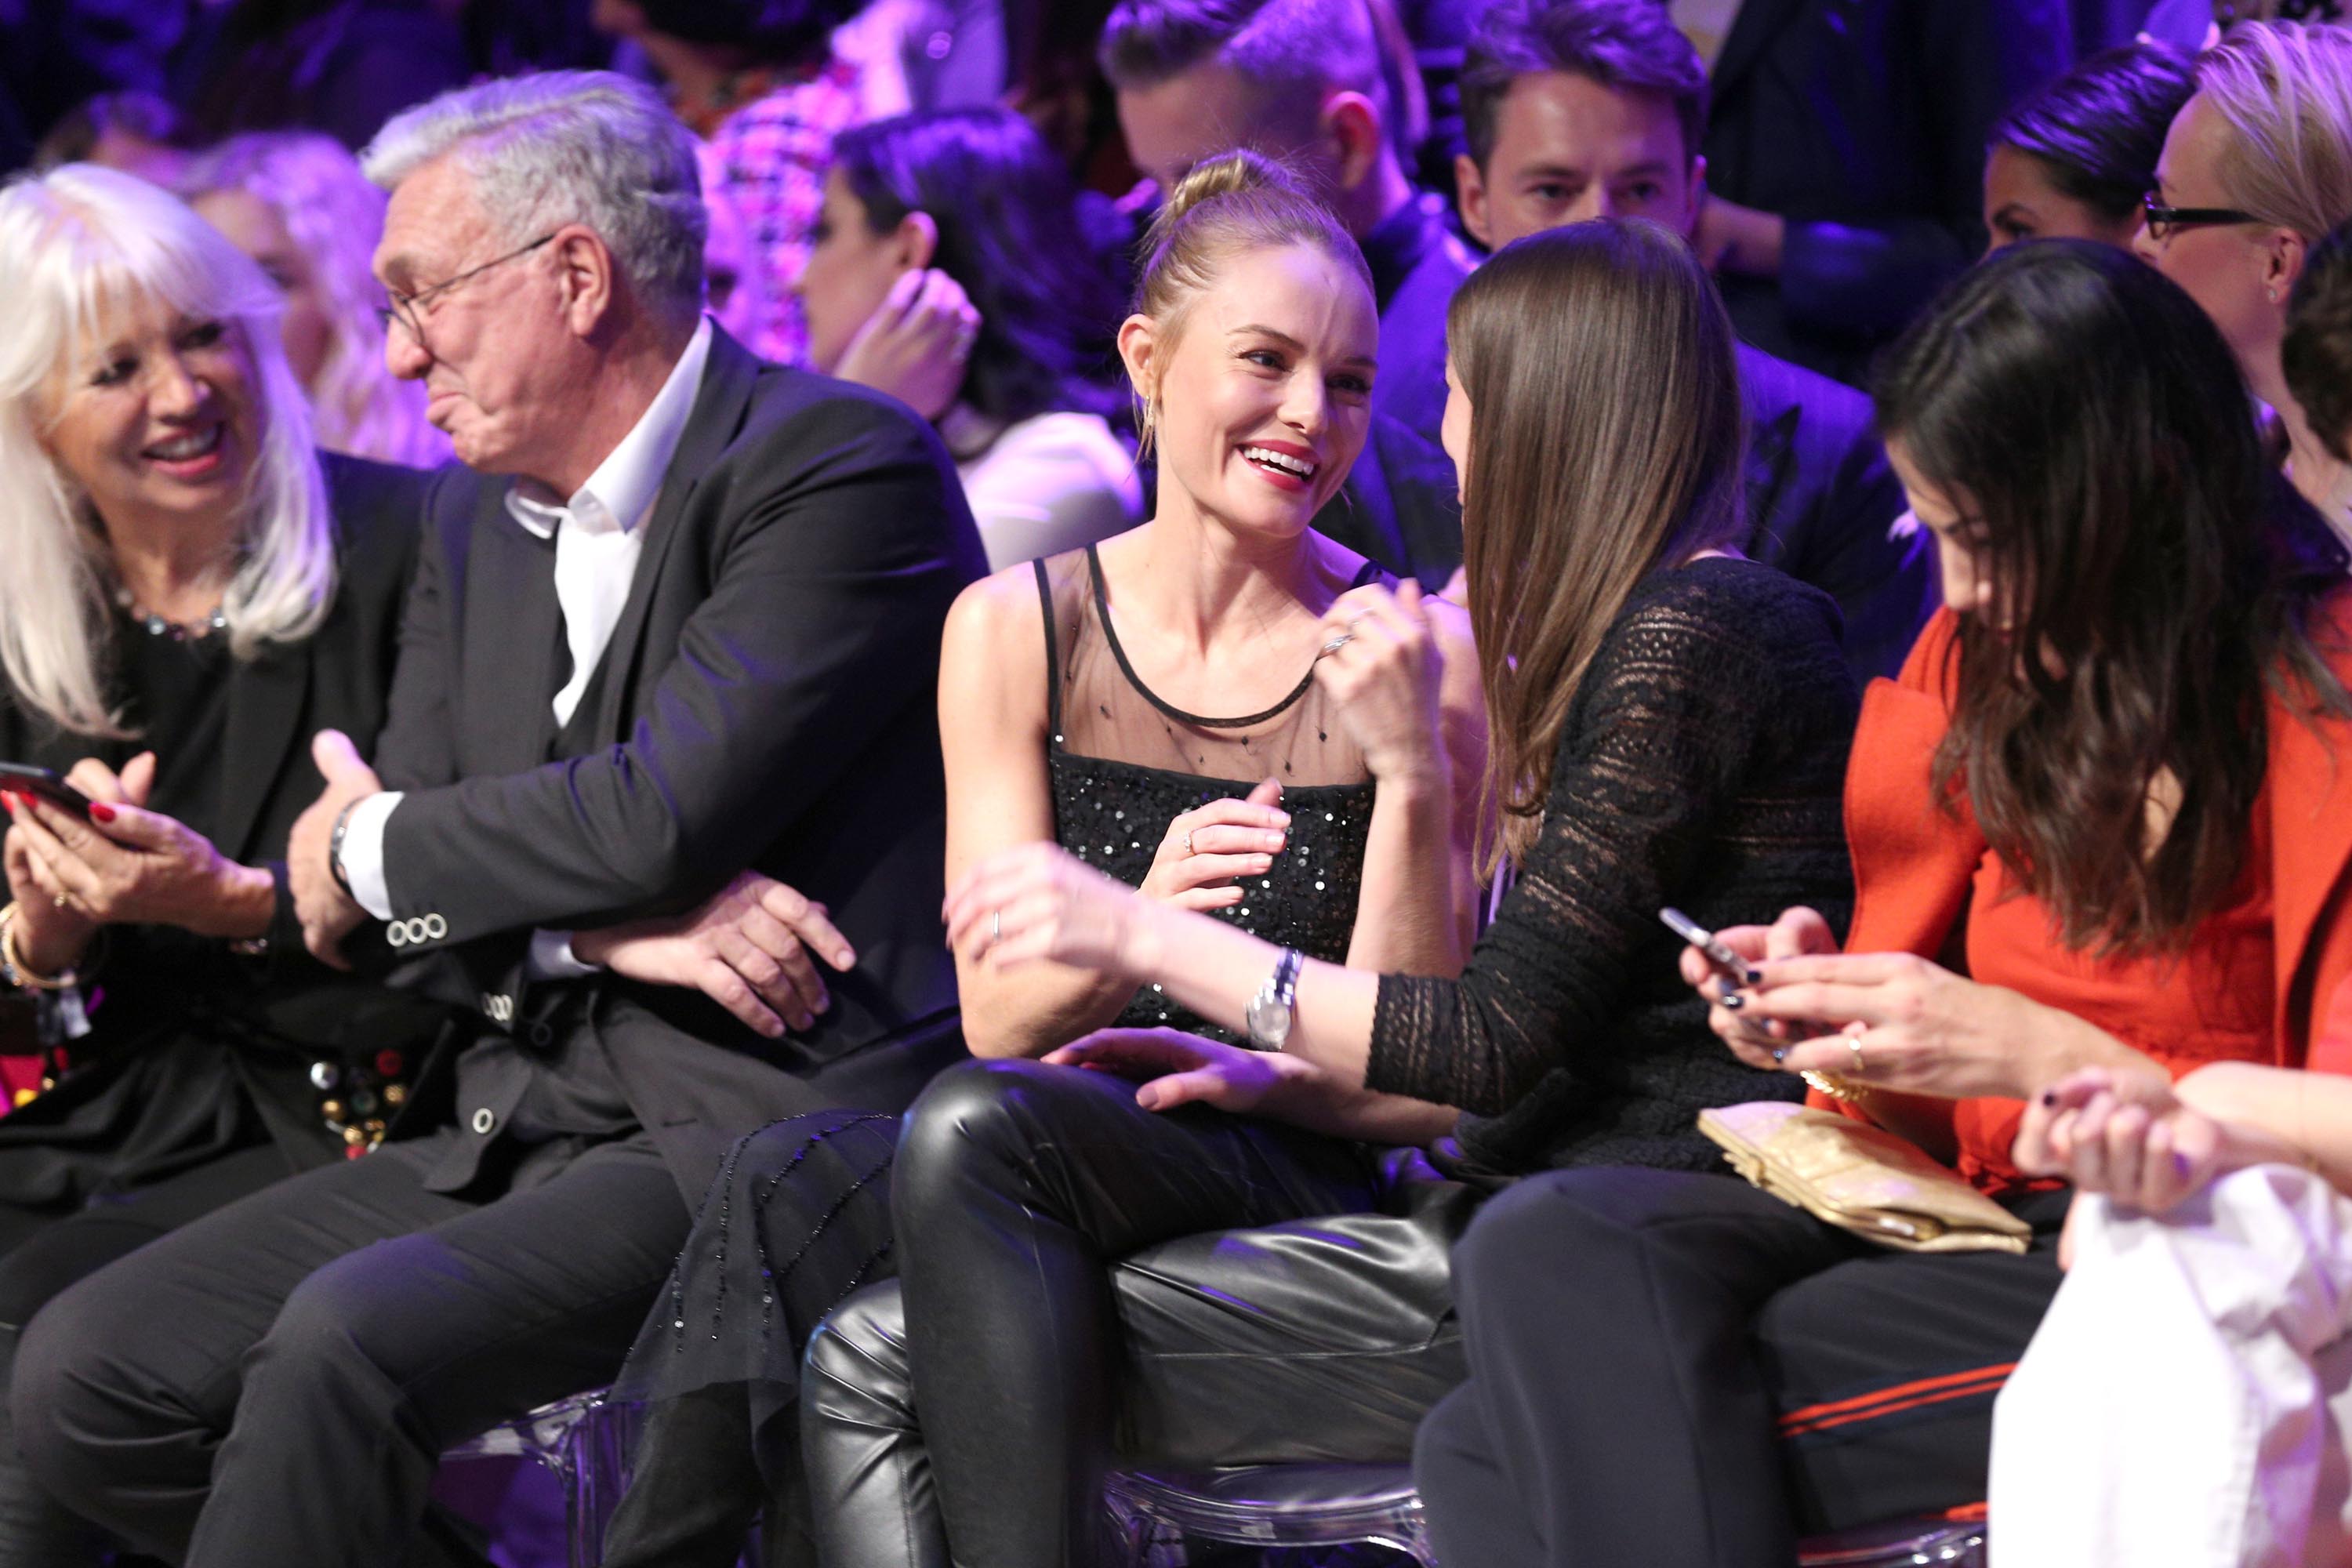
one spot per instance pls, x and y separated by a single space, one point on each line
1740 240
328 913
747 949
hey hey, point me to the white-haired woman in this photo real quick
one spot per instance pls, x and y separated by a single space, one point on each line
295 202
190 594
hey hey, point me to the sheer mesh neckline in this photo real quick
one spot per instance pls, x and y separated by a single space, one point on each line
1101 708
1118 652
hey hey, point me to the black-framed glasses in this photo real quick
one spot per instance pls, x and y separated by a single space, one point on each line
2162 220
403 307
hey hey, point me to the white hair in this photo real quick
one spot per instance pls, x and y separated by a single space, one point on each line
334 217
560 147
76 246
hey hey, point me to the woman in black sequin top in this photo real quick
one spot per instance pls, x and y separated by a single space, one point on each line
1221 709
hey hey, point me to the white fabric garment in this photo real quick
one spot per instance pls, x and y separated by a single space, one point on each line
599 534
1052 483
2185 1403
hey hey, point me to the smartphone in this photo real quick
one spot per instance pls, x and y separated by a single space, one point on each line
1727 964
22 778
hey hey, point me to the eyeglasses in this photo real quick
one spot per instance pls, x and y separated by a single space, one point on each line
404 308
2162 220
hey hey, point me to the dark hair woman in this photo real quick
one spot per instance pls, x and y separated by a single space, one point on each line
1668 726
2075 160
2110 778
948 269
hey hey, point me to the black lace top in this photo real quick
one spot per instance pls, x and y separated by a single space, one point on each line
1702 765
1123 764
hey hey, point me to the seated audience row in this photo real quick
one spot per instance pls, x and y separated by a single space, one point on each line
692 640
574 823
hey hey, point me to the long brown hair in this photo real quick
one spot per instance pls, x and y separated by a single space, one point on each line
2151 577
1606 440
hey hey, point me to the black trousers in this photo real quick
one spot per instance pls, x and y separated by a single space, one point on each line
1076 1284
42 1251
273 1383
1679 1370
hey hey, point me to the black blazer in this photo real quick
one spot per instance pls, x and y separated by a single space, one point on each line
1823 504
768 700
1864 122
186 1025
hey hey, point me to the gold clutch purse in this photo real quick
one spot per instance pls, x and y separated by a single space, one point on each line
1859 1178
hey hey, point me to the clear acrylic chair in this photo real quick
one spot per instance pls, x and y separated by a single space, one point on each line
1948 1544
1267 1505
585 1442
1333 1505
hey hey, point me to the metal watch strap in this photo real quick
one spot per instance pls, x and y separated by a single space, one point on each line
335 850
1270 1016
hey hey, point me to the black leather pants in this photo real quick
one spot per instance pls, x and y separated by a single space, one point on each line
1077 1288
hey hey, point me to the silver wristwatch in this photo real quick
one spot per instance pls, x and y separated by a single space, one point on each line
1270 1014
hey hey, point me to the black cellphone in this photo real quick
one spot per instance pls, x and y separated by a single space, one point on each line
22 778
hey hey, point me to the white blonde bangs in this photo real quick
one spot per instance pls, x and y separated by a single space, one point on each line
77 244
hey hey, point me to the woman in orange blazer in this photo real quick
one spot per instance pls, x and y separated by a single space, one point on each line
2113 789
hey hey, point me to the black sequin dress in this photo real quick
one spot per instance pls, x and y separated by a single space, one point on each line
798 1214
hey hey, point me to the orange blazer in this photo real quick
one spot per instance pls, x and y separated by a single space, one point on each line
1917 865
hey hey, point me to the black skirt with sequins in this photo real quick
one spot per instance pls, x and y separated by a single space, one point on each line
798 1217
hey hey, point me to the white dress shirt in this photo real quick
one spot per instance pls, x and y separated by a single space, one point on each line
598 533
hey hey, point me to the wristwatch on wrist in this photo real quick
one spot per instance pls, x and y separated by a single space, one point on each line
1270 1014
335 851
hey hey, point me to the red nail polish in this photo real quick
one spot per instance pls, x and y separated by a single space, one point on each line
101 812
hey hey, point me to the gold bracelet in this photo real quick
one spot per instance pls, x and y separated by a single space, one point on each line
20 972
1836 1088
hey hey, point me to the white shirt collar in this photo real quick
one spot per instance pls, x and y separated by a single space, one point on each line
621 491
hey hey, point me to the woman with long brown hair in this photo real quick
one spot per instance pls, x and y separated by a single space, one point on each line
2109 789
1668 725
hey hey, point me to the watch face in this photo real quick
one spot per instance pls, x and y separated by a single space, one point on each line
1269 1020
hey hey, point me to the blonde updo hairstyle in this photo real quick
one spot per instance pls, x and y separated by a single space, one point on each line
2284 88
1229 206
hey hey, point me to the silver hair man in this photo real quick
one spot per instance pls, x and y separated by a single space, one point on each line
586 147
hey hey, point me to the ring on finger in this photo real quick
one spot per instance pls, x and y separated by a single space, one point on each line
1188 841
995 928
1336 644
61 901
1853 1044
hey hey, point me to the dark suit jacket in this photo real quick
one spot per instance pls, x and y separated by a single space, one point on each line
1401 506
767 700
185 1024
1821 503
1864 122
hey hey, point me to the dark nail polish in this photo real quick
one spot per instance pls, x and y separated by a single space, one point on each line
1735 1002
2048 1097
1755 976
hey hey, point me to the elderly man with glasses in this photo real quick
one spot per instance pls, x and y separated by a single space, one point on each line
663 718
